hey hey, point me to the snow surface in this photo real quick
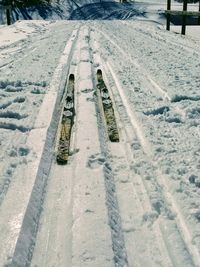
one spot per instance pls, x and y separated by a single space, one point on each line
132 203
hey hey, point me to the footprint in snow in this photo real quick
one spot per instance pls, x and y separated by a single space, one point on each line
95 161
21 151
86 91
90 99
150 217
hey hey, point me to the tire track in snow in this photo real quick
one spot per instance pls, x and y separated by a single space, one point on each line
180 222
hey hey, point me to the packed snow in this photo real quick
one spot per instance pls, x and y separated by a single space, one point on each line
130 203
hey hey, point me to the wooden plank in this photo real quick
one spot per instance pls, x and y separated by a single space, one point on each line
168 15
8 16
184 18
183 13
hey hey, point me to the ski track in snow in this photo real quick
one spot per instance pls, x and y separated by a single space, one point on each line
146 147
132 203
21 152
184 229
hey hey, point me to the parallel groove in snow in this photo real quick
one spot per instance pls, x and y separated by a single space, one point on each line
155 86
25 242
118 244
135 203
54 237
136 193
91 238
135 183
136 126
179 219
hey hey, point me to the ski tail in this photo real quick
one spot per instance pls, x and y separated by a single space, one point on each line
99 75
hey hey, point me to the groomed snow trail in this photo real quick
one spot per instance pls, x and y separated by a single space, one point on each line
130 203
54 233
21 157
158 190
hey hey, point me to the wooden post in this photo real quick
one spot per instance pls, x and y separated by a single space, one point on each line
168 15
8 17
184 18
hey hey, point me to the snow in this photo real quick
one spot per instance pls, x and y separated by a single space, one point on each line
192 31
132 203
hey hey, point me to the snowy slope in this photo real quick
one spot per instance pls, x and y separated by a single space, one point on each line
132 203
55 10
93 9
90 9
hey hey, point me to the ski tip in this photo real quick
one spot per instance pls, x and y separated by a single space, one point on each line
114 139
61 160
71 77
99 72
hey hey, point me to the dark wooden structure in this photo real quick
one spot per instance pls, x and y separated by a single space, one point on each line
8 15
183 13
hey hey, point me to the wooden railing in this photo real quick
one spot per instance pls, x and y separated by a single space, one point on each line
7 10
184 13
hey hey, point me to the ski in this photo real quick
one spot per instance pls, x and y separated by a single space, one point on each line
67 122
113 133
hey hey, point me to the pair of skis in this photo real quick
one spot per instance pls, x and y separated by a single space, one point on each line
68 113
